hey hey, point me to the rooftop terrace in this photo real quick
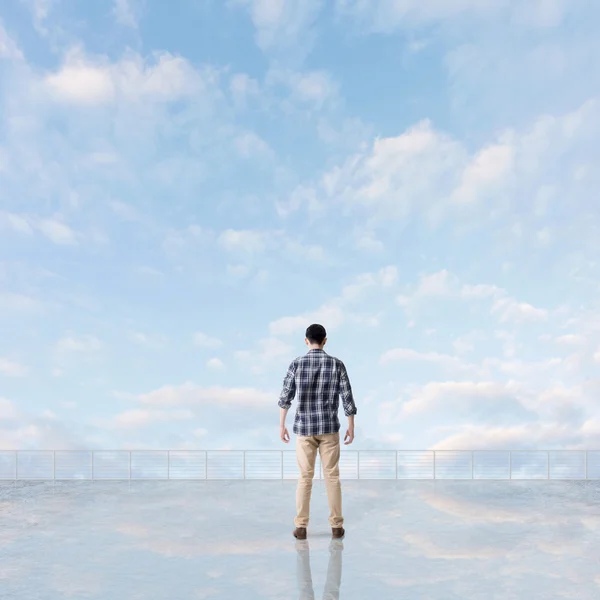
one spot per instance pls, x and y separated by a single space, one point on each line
232 538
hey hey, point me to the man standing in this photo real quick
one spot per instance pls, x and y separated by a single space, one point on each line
318 379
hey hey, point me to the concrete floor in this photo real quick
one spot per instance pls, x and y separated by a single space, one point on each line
227 539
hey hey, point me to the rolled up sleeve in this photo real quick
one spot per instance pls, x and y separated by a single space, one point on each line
289 387
346 392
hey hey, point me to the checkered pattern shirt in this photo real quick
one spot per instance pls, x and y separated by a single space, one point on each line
318 379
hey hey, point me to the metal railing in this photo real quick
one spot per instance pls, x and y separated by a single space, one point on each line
272 464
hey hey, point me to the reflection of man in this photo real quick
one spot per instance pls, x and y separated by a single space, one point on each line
318 379
334 571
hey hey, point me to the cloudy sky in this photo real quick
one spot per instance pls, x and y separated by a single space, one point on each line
184 190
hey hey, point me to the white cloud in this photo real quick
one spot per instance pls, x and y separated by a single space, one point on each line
201 339
544 236
248 245
328 313
597 356
385 278
283 25
140 337
239 271
388 276
489 437
481 291
301 197
40 10
270 352
191 395
8 47
215 364
300 251
524 370
367 241
20 430
303 91
243 87
443 360
85 81
244 242
147 340
334 312
316 87
12 369
180 242
87 344
57 232
445 284
508 309
542 13
398 174
427 175
441 283
150 271
8 410
251 145
51 228
81 83
487 168
466 343
17 302
124 13
453 396
387 15
16 222
124 210
571 339
140 417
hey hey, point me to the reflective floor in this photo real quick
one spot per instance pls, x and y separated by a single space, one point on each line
233 540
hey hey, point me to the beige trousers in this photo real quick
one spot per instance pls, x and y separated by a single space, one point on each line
306 452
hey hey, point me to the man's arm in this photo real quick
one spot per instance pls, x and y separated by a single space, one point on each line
284 412
347 397
288 392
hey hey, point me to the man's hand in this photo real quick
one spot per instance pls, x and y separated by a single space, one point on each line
284 434
349 434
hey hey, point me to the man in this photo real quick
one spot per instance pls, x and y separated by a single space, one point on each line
318 379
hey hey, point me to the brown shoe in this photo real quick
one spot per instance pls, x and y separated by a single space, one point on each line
300 533
337 532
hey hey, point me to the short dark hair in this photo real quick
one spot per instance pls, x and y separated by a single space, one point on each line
315 334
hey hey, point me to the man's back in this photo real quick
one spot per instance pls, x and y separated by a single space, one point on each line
317 380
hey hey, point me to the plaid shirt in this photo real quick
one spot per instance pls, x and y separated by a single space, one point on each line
319 379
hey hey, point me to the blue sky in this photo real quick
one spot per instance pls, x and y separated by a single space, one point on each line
183 191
